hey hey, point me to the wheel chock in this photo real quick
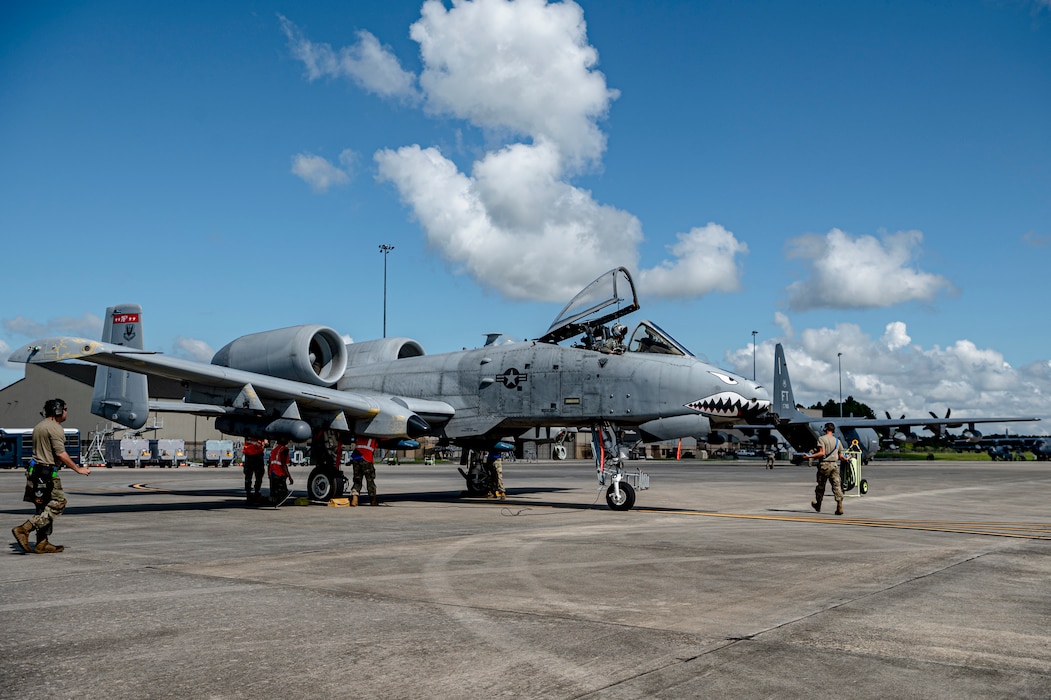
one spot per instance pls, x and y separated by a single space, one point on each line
339 503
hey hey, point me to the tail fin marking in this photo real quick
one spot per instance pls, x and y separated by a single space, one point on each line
119 395
784 401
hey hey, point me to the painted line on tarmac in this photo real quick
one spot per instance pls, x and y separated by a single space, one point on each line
1022 530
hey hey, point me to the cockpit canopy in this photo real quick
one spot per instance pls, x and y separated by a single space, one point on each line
608 298
649 337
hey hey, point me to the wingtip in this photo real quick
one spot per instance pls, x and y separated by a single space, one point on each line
54 350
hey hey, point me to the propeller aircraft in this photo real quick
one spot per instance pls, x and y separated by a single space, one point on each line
861 434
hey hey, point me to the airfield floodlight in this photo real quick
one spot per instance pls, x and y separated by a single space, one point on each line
385 249
839 356
753 354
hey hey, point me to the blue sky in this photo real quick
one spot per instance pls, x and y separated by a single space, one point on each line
865 178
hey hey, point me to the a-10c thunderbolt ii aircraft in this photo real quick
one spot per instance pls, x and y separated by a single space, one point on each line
295 382
861 434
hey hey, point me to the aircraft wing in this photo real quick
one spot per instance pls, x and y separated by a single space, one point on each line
954 422
385 416
889 423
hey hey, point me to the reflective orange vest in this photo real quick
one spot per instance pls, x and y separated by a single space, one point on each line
253 447
279 462
366 447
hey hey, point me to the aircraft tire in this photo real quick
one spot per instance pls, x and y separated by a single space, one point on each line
864 486
477 481
626 500
339 484
319 486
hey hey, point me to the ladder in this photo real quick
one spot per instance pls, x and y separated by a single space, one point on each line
96 454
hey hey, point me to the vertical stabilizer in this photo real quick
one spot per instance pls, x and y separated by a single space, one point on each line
784 401
121 396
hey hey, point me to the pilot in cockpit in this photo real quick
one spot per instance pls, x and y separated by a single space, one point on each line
614 344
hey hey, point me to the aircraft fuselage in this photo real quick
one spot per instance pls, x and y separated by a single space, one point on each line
526 384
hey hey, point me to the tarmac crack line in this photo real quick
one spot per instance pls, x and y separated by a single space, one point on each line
734 641
1031 531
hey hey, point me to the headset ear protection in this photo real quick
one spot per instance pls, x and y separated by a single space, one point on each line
53 408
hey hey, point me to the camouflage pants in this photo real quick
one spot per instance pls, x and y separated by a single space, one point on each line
47 512
828 471
367 471
496 474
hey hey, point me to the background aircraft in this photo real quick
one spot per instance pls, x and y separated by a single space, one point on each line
299 382
1009 447
863 434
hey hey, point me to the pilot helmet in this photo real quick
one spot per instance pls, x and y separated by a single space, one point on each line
619 330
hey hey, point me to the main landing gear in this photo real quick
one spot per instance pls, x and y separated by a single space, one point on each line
324 484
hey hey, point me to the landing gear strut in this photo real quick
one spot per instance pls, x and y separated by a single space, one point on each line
610 454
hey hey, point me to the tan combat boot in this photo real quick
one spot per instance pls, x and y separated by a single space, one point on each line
21 534
839 507
816 505
45 547
501 496
353 499
375 500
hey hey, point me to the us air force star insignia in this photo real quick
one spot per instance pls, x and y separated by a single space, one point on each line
512 378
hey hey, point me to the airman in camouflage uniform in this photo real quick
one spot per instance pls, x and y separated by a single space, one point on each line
830 453
43 486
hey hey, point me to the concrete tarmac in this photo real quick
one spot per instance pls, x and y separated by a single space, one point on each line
721 582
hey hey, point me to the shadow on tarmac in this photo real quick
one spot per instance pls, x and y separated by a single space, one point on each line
234 499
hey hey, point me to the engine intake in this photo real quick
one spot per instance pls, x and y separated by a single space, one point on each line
313 354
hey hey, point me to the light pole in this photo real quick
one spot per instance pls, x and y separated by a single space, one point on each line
385 249
839 356
753 354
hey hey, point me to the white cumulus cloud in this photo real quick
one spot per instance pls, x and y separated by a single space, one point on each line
857 272
366 62
525 67
524 73
704 261
535 239
318 172
86 325
192 349
892 375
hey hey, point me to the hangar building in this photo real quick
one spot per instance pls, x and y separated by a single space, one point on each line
22 404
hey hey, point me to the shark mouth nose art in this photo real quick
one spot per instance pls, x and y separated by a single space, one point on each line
729 404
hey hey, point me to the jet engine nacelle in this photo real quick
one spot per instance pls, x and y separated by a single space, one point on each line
310 354
902 436
382 350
